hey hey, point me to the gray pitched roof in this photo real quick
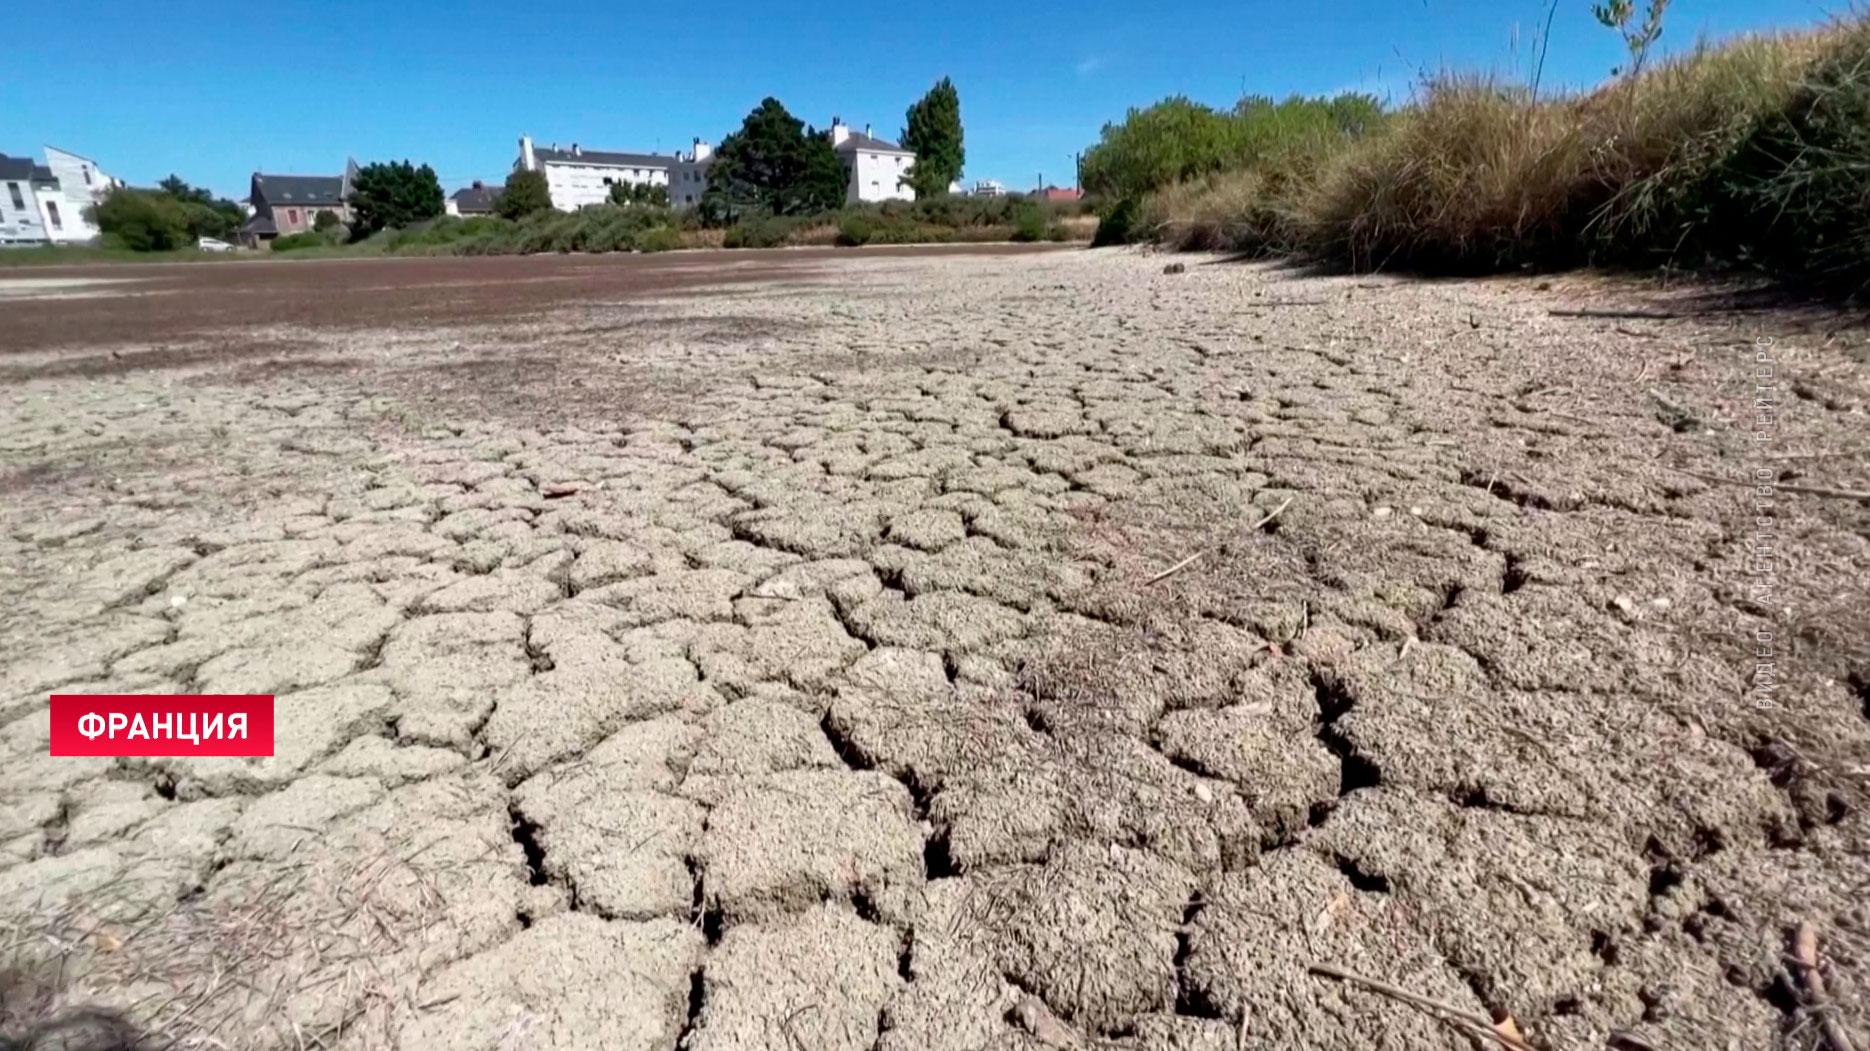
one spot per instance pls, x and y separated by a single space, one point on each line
857 140
601 157
299 190
20 168
259 223
473 199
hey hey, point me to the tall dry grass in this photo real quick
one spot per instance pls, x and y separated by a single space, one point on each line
1755 151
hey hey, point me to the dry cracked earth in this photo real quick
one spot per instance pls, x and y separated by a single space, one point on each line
787 661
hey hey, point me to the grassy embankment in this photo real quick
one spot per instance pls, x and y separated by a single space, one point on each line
613 228
1752 153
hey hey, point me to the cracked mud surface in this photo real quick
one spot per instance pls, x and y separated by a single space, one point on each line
774 663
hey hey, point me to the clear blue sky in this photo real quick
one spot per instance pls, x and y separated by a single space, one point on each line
214 90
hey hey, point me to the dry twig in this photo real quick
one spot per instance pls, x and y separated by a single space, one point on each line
1784 487
1186 562
1639 315
1478 1024
1805 954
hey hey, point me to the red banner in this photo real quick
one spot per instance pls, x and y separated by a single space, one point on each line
162 725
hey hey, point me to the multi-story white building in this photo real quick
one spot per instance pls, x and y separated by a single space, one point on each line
48 203
578 178
688 176
879 169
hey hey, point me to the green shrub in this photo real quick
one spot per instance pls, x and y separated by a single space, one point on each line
853 231
1028 222
658 239
1118 225
1178 139
143 220
1794 197
294 242
758 231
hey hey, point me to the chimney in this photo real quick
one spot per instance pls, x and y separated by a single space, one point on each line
702 151
867 129
575 151
477 185
527 163
839 131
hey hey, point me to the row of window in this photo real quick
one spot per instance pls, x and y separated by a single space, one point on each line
311 214
19 204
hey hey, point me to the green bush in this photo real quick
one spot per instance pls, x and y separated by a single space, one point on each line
294 242
853 231
143 220
1178 139
759 231
658 239
1028 222
1118 225
1794 197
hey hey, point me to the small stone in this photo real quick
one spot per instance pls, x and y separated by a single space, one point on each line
177 601
1416 511
1204 793
1175 268
1661 603
1383 512
1623 604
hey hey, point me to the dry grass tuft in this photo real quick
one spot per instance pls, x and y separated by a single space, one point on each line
1756 151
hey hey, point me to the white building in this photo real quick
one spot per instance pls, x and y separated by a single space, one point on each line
578 178
688 176
46 203
879 169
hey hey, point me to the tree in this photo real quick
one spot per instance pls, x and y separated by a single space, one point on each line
395 193
773 163
207 215
525 193
639 193
934 133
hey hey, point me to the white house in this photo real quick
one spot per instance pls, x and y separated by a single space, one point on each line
46 203
578 177
878 168
688 176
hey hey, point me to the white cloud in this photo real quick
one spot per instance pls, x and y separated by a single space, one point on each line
1089 66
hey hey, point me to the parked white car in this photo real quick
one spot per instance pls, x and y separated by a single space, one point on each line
212 244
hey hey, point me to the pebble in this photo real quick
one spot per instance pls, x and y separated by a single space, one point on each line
1204 793
1383 512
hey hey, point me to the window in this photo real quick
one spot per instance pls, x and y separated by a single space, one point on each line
292 217
18 201
87 175
51 209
